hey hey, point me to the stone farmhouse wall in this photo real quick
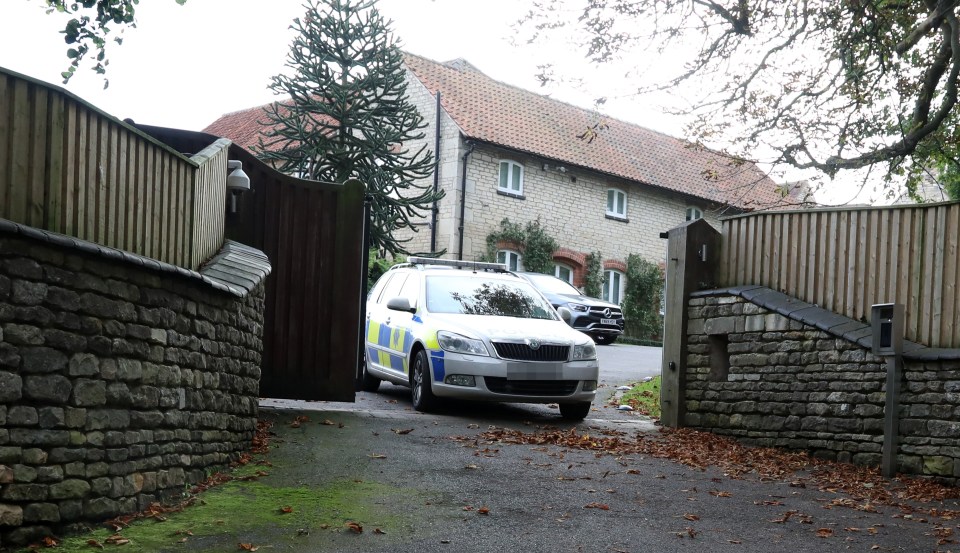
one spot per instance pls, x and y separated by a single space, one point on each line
571 205
770 380
120 384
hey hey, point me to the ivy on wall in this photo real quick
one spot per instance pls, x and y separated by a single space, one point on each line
593 275
535 244
641 304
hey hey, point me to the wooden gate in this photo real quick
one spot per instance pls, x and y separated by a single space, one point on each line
312 233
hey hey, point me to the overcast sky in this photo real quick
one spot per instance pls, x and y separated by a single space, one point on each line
184 66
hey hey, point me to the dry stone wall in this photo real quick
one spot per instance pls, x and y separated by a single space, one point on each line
771 380
119 385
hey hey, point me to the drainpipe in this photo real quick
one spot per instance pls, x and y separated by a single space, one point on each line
463 196
436 178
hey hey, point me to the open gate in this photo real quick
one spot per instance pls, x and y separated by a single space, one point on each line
312 232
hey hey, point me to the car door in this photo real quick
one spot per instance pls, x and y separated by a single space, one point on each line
401 324
379 319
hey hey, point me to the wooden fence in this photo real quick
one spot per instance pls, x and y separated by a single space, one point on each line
846 260
67 167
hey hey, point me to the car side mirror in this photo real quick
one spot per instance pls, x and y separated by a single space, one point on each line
565 314
400 304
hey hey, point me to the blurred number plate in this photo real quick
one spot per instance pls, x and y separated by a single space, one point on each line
608 321
534 371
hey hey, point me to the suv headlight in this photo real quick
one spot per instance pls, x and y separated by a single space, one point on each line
584 352
577 307
460 344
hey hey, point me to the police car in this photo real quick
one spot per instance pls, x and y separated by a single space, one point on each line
474 331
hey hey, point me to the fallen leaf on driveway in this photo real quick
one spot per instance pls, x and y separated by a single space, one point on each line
786 516
247 547
378 531
471 466
377 456
402 431
483 510
354 527
691 517
601 506
718 493
328 422
824 533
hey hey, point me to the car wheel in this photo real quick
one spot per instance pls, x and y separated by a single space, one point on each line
421 390
368 382
575 411
603 339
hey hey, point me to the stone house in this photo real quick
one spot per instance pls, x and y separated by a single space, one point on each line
594 183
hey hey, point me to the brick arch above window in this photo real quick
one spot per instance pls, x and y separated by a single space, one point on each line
615 265
508 245
570 257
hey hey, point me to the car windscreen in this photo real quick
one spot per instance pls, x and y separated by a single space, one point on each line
552 285
480 296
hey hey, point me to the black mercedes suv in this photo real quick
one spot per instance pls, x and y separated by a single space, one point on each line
601 320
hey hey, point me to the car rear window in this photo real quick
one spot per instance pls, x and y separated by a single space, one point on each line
478 296
553 285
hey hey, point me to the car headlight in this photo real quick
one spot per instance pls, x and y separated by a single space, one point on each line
461 344
577 307
584 352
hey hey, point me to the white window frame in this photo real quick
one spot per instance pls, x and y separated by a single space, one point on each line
610 278
620 195
694 213
508 257
514 172
557 267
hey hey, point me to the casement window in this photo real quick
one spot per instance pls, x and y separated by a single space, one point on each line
563 272
616 203
613 285
511 177
511 259
694 213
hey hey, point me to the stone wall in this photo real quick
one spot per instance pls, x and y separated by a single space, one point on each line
120 384
771 380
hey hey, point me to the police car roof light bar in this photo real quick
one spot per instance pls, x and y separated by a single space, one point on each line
475 265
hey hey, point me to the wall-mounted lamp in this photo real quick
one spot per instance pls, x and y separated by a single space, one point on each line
237 182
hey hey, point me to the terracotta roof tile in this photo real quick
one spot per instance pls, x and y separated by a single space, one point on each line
517 119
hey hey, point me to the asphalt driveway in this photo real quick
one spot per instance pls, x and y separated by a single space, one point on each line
377 476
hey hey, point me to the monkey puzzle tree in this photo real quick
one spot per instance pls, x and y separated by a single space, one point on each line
348 115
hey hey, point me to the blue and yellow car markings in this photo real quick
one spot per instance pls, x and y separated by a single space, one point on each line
390 340
439 372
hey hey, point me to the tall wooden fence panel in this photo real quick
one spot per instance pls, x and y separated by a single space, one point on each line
846 260
67 167
312 232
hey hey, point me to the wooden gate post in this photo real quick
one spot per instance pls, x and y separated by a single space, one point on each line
692 260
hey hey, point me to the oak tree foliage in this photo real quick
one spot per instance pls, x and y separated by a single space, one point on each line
829 85
348 115
89 28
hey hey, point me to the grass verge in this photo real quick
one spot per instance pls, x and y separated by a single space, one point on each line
644 397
